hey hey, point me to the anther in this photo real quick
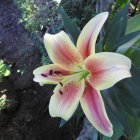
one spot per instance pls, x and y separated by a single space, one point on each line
43 75
57 72
51 72
60 92
61 84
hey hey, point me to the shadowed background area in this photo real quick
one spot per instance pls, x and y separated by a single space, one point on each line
27 118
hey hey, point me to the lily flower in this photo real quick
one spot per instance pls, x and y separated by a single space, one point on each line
80 74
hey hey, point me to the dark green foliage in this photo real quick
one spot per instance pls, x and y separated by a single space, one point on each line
116 30
40 16
135 128
80 11
134 53
123 98
111 98
119 4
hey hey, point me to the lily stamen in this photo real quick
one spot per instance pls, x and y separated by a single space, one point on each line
51 72
61 84
44 75
60 92
57 72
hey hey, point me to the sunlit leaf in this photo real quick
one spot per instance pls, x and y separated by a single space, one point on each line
134 53
135 128
124 43
133 24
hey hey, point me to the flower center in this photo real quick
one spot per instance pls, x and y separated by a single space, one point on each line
83 74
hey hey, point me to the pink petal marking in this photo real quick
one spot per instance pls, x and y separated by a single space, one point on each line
65 99
62 51
106 69
87 39
94 109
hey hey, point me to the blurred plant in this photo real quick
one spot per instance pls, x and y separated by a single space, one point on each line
40 16
133 9
80 11
4 70
117 6
4 102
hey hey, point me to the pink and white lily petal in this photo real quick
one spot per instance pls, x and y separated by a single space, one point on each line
62 51
94 109
106 69
87 39
65 99
49 74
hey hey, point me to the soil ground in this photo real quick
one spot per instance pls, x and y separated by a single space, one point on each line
27 118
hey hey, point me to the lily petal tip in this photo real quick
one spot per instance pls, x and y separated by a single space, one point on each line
109 132
105 14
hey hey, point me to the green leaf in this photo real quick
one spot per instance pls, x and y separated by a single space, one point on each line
124 97
1 62
78 113
134 53
111 40
128 93
131 86
3 68
116 30
119 4
135 128
110 95
125 42
70 27
117 127
6 73
133 24
98 47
